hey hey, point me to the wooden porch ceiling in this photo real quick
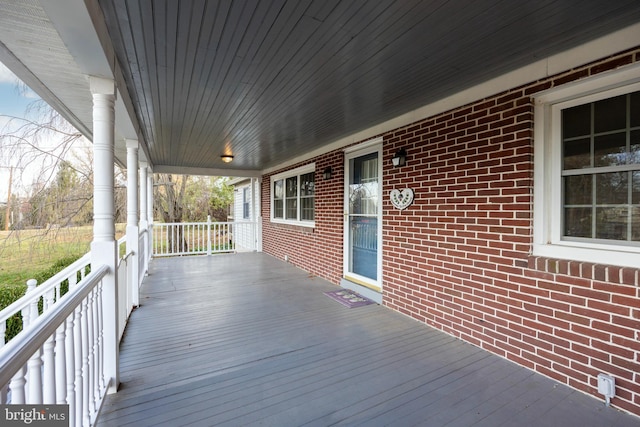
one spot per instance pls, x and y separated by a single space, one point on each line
250 340
270 80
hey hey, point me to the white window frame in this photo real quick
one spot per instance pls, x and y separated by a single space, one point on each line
283 176
547 211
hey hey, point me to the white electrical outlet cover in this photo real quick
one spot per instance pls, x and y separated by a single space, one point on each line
606 385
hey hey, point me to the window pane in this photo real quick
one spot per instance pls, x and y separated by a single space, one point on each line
307 184
602 205
576 121
610 114
292 187
635 109
278 192
611 223
577 222
635 224
277 209
578 190
577 154
292 208
245 203
634 157
307 190
307 208
291 198
610 150
612 188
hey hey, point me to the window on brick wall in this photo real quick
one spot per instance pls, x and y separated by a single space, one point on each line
246 198
293 196
587 170
601 169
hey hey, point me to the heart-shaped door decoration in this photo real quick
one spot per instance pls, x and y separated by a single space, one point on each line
401 199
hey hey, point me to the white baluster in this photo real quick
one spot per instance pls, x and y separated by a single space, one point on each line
4 389
100 350
73 279
77 362
48 359
34 365
93 397
91 356
69 367
85 362
61 363
18 393
96 350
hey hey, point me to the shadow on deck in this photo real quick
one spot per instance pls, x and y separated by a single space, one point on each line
249 340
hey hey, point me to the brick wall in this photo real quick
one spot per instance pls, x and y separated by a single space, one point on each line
459 258
316 250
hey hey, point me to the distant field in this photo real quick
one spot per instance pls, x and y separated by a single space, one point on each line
26 252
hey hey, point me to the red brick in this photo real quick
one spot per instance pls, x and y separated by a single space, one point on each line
590 352
588 293
610 65
626 322
615 288
613 329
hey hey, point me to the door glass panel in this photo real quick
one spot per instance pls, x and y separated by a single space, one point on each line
363 216
364 246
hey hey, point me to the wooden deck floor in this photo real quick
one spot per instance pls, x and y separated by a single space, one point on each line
249 340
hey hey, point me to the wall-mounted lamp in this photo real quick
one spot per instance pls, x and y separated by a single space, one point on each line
327 172
400 158
227 158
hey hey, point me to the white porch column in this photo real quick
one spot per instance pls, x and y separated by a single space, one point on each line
257 208
144 222
133 233
144 216
150 210
150 196
104 248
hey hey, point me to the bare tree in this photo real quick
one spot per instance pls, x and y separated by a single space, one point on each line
51 187
192 198
168 198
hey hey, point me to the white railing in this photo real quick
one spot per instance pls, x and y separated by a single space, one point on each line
58 356
193 238
125 284
51 339
143 244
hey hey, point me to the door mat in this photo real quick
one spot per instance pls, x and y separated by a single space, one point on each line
348 298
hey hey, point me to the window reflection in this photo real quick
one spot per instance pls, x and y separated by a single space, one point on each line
601 169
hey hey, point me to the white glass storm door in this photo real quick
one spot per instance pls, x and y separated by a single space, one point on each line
363 218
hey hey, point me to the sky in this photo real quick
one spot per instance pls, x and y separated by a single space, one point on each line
15 99
13 102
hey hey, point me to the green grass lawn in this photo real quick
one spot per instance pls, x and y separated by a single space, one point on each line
26 253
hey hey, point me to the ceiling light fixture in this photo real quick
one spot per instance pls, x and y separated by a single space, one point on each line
227 158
